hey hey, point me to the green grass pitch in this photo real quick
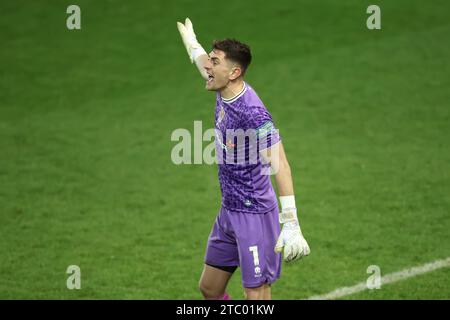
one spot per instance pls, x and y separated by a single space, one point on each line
86 117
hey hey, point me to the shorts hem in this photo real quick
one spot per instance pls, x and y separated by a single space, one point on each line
219 264
257 284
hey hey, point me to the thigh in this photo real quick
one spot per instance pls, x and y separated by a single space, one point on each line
214 281
222 249
256 236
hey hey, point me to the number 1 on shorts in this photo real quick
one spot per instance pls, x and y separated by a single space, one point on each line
254 250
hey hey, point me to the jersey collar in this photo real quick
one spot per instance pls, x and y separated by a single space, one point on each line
233 99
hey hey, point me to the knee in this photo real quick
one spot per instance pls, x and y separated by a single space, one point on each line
254 293
208 291
203 289
253 296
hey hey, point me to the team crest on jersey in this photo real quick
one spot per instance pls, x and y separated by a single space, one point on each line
230 144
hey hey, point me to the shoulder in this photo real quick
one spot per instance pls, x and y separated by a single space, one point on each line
255 116
251 98
253 111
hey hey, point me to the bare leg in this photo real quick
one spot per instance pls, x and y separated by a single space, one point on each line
267 292
213 282
260 293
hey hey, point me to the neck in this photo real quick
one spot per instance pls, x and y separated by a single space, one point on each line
232 89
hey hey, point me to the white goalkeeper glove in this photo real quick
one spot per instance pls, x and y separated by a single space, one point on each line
193 48
291 237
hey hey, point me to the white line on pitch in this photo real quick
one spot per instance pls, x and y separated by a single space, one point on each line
389 278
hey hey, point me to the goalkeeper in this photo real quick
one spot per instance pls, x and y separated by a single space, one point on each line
246 232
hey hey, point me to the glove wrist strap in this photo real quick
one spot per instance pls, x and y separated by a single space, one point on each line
288 216
287 202
288 209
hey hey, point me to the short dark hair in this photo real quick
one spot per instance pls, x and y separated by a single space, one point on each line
236 51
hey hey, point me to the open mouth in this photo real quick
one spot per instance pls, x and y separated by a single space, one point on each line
210 78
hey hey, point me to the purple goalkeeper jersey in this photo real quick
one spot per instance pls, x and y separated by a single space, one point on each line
244 179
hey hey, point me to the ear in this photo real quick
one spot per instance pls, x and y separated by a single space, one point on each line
235 73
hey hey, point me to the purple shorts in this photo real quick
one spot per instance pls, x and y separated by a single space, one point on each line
246 240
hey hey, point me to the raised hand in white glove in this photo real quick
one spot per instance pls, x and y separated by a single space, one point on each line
193 48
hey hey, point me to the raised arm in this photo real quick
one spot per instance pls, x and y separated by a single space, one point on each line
195 51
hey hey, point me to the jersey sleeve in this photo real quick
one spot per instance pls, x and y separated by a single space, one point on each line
259 119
